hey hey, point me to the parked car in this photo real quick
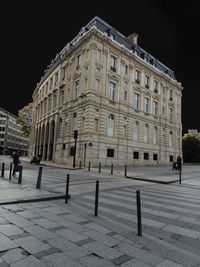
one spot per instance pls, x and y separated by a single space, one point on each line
36 159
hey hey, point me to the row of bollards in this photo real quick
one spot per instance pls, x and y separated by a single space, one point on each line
138 202
111 168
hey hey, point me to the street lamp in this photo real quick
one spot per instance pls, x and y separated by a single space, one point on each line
75 135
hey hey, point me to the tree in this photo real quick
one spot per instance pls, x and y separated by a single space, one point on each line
25 119
191 146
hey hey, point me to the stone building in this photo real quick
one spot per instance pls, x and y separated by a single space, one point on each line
11 136
125 103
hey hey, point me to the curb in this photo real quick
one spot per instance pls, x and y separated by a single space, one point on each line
34 200
150 180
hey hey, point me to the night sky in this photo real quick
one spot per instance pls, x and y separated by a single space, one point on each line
33 32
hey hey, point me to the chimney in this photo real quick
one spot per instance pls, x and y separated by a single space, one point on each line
133 38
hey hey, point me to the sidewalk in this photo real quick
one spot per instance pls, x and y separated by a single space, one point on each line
155 174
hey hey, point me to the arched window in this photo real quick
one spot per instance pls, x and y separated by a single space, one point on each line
155 135
171 138
110 125
136 131
146 133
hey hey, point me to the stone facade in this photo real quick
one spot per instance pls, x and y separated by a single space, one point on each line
125 104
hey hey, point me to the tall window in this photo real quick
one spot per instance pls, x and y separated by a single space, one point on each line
170 94
113 63
63 72
110 125
155 135
170 114
147 81
137 76
146 104
61 97
125 95
56 79
146 133
170 138
112 89
78 61
77 89
155 108
155 86
136 101
54 100
136 131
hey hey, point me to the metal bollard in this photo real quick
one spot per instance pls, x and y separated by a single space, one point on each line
96 199
67 189
125 171
20 175
80 163
39 179
88 166
180 176
99 166
139 220
10 173
2 169
111 171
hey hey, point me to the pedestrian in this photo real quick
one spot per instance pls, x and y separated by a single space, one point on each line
179 162
174 166
16 161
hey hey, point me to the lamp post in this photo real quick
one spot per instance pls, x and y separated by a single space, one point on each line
75 135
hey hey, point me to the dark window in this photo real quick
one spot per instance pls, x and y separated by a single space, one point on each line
146 156
136 155
110 153
64 146
171 158
72 150
155 156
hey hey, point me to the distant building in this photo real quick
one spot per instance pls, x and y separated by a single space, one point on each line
11 135
125 104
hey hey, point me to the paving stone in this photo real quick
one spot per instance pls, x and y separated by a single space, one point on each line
140 254
94 261
30 261
168 263
2 220
61 260
46 252
4 264
40 232
50 216
135 263
77 252
74 218
182 231
61 243
107 240
32 244
73 226
56 210
24 234
45 223
96 227
71 235
122 259
27 214
14 255
6 243
85 241
17 220
9 229
103 250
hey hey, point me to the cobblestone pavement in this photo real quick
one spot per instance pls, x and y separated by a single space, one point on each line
54 233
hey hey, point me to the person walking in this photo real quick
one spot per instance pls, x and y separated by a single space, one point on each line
16 161
179 162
